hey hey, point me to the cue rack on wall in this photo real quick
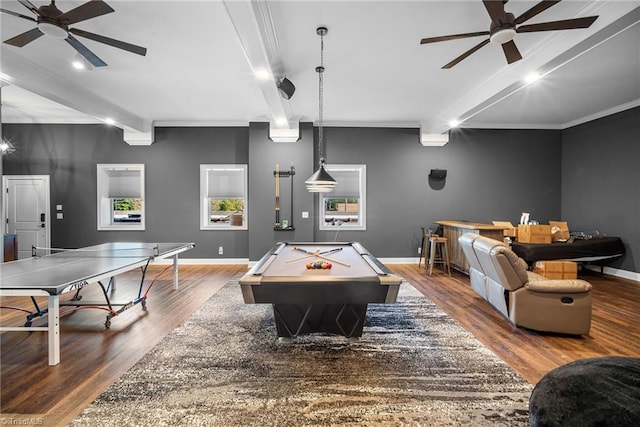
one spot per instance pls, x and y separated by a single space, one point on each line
284 225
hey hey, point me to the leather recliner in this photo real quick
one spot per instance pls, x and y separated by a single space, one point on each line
526 298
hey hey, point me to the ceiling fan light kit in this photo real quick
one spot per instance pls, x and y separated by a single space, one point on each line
502 36
53 31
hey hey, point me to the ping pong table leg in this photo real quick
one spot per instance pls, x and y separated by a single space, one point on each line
54 329
175 272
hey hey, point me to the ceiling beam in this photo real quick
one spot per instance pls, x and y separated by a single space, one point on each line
254 27
33 78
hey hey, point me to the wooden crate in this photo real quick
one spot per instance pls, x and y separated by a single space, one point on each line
534 233
557 269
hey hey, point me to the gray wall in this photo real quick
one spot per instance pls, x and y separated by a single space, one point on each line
492 175
263 157
69 154
601 180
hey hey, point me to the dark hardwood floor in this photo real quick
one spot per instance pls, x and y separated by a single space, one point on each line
92 358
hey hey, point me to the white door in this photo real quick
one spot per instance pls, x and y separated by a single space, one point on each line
27 211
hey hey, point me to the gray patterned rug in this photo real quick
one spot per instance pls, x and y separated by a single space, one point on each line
413 365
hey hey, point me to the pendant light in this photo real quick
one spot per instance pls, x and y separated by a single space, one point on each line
321 181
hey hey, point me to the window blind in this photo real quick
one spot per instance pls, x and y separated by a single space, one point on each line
125 184
226 183
348 183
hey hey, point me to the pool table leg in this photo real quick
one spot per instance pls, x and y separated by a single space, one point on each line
339 319
282 321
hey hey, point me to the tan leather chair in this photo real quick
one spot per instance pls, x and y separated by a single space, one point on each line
476 275
526 298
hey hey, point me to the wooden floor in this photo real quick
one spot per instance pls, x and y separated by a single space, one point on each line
92 358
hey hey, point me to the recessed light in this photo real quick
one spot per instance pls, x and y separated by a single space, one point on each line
109 121
78 65
532 77
262 74
454 123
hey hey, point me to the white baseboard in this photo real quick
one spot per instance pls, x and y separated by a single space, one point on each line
617 272
204 261
409 260
245 261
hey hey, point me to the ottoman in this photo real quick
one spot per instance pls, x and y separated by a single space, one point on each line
602 391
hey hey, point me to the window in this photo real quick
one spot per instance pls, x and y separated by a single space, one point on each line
345 206
223 197
121 197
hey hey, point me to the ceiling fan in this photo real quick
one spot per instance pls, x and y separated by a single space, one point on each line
504 26
54 23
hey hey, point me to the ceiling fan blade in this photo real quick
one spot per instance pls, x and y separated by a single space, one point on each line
84 51
535 10
466 54
109 41
453 37
19 15
85 11
567 24
495 9
511 52
29 5
24 38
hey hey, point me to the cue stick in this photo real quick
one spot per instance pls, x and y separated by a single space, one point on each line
332 260
317 254
309 254
278 196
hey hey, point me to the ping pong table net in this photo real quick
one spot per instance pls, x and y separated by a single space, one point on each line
96 252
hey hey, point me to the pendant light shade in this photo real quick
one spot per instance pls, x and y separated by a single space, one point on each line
321 181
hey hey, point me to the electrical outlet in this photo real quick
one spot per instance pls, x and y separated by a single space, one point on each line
419 251
220 250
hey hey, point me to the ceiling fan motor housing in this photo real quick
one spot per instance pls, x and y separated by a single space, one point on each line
48 22
503 32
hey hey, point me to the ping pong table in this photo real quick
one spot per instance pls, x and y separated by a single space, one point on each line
71 270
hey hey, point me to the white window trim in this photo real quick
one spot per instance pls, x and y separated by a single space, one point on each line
362 226
205 223
105 216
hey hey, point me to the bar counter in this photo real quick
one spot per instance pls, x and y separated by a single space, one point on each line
454 229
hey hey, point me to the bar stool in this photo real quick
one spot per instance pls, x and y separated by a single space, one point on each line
438 253
424 247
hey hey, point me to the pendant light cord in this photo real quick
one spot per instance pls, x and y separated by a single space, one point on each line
320 70
321 181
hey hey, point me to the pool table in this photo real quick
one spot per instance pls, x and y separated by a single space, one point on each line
330 300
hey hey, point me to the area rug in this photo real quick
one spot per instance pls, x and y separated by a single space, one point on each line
225 366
